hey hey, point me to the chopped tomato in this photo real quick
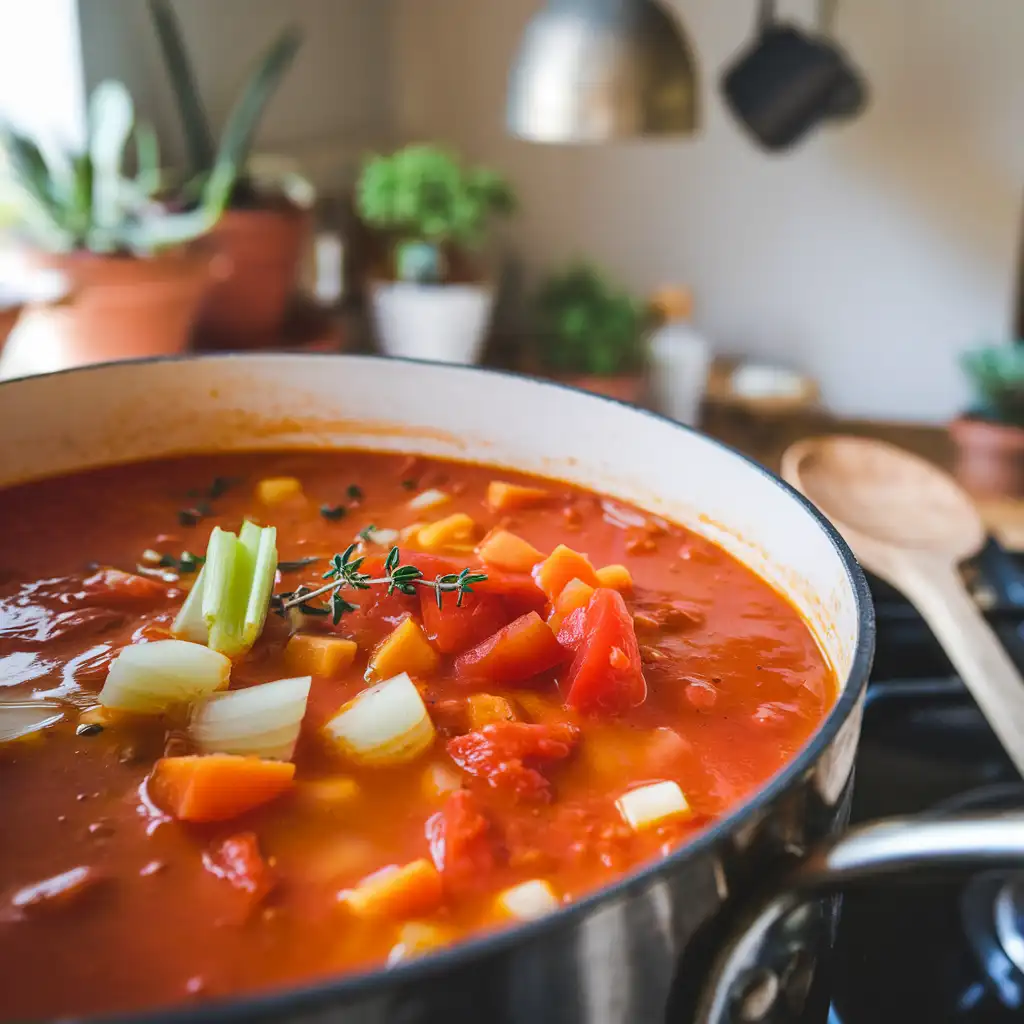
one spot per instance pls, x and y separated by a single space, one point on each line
606 673
377 612
518 590
453 628
520 651
460 841
506 755
238 860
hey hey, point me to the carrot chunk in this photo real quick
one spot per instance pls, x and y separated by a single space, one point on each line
485 708
309 655
455 531
405 650
523 649
396 892
505 550
217 787
615 577
505 497
562 566
575 594
276 490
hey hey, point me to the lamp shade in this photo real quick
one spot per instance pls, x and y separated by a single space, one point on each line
599 70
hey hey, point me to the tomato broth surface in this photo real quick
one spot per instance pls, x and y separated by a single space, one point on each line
110 902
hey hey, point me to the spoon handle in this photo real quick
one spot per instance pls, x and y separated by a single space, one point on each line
934 585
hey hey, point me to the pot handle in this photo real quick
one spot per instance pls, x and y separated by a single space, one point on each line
748 979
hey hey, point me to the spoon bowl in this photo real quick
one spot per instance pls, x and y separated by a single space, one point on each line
911 524
884 493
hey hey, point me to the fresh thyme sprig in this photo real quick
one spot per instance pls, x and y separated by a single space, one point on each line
345 572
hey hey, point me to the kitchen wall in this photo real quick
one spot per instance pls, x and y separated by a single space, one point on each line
335 101
869 257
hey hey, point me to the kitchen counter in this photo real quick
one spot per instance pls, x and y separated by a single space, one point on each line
765 438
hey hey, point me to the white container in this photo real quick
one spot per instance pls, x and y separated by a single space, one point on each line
679 362
445 323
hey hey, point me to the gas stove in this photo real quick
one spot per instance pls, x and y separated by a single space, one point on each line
933 953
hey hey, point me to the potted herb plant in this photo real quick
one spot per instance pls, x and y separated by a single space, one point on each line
124 280
989 439
261 237
432 299
592 334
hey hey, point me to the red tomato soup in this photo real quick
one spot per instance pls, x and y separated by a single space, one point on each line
452 755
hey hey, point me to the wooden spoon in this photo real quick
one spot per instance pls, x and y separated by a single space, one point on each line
911 524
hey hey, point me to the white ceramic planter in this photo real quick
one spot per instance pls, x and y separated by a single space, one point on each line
445 323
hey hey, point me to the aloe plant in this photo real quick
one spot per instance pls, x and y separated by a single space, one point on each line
219 172
68 200
426 197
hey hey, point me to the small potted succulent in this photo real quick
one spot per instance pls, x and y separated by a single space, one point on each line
592 334
125 279
261 237
431 299
989 439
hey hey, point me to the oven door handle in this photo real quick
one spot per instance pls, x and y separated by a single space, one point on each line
749 978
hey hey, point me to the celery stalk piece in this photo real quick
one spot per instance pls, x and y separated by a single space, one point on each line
226 594
228 605
190 624
263 544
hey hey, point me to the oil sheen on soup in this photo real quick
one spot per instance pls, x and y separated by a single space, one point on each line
276 717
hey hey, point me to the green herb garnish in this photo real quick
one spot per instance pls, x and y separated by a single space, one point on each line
366 534
299 563
333 512
297 599
355 492
346 571
188 563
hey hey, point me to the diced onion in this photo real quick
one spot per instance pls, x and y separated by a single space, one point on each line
22 718
528 901
227 606
416 938
429 499
648 806
384 538
155 677
438 781
262 721
386 724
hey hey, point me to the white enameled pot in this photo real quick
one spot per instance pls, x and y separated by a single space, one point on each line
630 953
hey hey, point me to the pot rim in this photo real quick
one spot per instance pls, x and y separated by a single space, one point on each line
313 994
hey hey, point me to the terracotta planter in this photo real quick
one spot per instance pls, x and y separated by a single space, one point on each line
626 387
259 258
989 457
112 308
